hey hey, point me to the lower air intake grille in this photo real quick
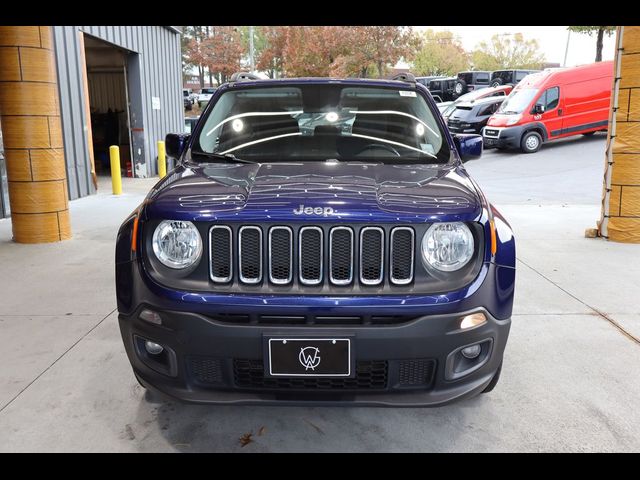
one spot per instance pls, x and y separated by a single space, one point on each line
205 370
370 375
417 372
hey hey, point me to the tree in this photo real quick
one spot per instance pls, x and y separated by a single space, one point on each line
439 53
505 52
600 31
223 51
270 56
193 54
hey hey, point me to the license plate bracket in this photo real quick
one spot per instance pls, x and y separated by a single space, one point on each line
290 356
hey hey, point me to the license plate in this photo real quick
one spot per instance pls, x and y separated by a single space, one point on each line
488 141
309 357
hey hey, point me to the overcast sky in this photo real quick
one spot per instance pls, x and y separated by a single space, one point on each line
552 41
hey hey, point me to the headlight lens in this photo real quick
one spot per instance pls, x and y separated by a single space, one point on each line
177 244
447 246
514 120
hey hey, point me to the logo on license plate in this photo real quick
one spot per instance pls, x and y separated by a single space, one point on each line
309 357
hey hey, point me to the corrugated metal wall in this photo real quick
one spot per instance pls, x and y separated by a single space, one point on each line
159 65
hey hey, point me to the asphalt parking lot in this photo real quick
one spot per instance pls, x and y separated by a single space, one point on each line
569 381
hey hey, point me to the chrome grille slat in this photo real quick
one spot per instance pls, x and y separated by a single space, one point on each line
341 248
250 258
280 255
371 255
401 255
220 263
310 255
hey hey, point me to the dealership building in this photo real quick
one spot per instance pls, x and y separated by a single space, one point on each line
66 94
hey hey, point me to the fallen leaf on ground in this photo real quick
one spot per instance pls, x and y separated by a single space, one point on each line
246 439
261 431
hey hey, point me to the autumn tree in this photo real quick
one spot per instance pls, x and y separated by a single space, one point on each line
440 53
311 51
369 50
600 32
270 55
505 52
193 51
223 51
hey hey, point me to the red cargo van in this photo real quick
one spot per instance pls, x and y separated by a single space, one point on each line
552 104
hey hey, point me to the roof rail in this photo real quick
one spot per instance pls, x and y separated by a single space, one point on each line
405 77
240 76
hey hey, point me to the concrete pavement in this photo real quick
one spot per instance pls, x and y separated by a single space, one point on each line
569 381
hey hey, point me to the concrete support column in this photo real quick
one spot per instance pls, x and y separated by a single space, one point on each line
621 206
31 127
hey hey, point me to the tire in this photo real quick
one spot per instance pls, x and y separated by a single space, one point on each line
530 142
588 134
199 104
460 88
496 82
494 381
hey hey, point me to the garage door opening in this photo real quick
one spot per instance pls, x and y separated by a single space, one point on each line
108 105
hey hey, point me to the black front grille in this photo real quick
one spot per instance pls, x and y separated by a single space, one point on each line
250 256
371 255
280 254
419 372
255 319
311 254
341 255
221 254
370 375
205 370
346 257
402 248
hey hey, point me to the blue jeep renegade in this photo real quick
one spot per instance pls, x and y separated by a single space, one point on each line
319 242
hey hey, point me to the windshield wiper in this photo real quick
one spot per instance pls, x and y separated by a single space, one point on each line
222 156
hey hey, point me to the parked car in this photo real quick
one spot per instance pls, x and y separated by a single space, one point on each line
425 80
205 96
553 104
471 117
502 91
356 264
188 93
509 77
468 81
442 88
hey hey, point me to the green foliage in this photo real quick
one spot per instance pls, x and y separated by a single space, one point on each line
511 51
439 53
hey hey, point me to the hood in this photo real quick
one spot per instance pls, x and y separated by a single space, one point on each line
500 120
315 190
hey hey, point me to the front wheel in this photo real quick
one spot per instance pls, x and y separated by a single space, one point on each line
531 142
494 381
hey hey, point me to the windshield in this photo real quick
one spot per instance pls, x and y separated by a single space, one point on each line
320 122
518 101
208 90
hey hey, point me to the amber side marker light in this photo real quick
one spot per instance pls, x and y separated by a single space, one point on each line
494 242
134 235
473 320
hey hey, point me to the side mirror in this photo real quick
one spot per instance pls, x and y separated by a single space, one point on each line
175 144
537 109
469 146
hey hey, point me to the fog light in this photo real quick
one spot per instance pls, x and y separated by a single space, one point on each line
469 352
153 348
150 316
473 320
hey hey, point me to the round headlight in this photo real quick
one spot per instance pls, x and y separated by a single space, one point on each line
447 246
177 244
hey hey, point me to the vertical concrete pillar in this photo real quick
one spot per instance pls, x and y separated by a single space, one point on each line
31 127
621 206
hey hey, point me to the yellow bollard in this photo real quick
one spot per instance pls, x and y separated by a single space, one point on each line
162 160
116 178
